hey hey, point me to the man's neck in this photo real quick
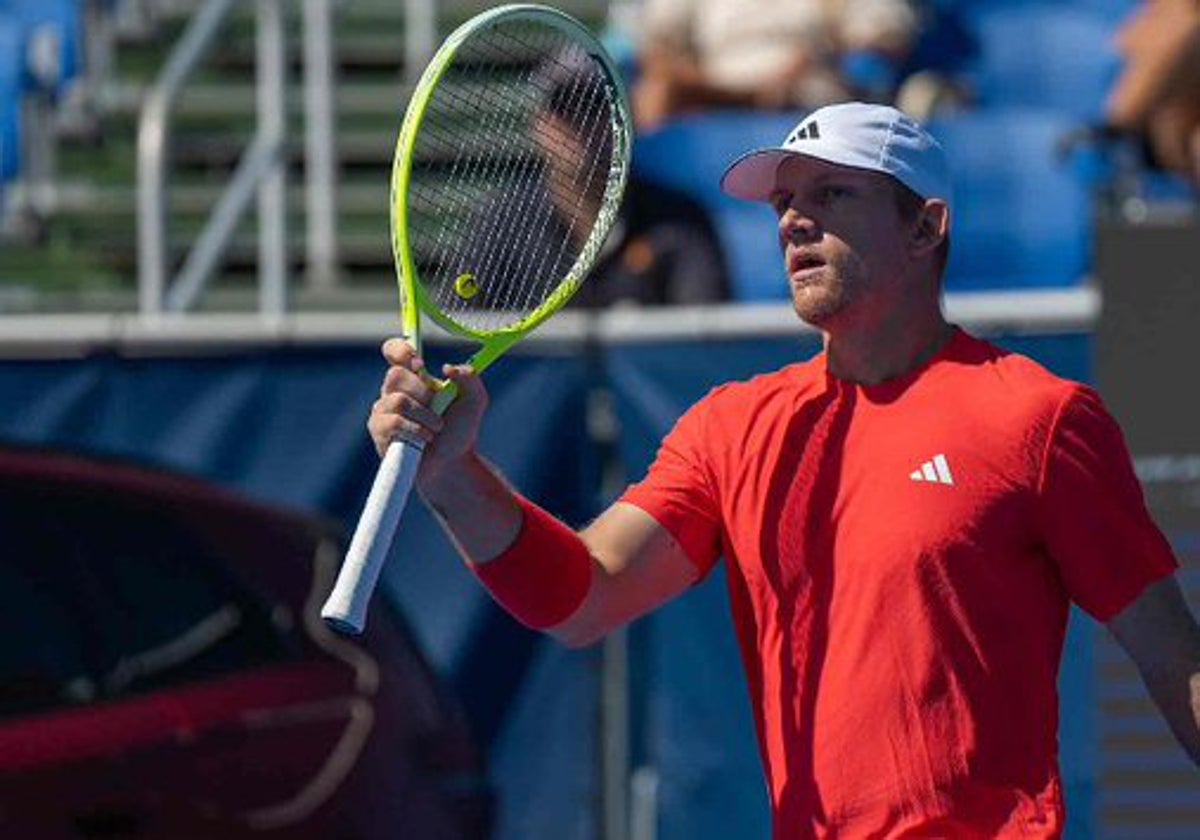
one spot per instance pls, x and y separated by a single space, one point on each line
887 350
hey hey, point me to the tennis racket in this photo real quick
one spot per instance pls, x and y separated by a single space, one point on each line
507 177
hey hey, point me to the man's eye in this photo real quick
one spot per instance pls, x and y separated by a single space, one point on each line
829 194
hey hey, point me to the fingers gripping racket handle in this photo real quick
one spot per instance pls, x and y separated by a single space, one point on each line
346 609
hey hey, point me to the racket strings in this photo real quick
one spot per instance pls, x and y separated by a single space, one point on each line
551 261
471 171
506 249
573 199
579 213
527 262
513 161
469 175
558 144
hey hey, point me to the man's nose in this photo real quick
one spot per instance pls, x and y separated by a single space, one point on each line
796 226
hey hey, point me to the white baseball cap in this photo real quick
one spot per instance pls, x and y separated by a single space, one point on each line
878 138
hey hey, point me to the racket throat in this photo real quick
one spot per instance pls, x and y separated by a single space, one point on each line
446 394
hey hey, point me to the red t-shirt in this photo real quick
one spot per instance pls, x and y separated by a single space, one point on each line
900 562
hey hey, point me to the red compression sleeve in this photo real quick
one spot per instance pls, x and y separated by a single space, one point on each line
544 575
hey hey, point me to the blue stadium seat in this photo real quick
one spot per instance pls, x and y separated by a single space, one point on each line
10 97
61 19
691 154
1022 216
946 44
1045 56
1112 10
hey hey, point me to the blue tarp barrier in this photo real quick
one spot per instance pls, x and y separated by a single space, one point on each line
286 425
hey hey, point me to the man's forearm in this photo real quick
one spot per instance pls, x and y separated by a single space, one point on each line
1194 749
1176 691
534 566
1160 634
476 507
1188 729
1185 720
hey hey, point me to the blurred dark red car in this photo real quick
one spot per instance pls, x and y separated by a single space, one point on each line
164 674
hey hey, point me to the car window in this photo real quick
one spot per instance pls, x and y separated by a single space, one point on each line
111 595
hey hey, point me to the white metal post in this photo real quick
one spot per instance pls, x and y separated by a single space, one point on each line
272 128
420 35
320 152
614 728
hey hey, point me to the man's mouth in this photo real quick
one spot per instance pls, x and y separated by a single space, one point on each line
801 262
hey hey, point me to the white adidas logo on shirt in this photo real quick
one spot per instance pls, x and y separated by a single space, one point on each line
936 471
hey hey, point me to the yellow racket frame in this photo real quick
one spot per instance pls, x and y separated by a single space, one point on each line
414 300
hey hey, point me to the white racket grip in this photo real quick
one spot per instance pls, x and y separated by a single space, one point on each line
346 608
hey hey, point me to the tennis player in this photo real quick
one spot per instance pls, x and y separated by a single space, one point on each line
905 519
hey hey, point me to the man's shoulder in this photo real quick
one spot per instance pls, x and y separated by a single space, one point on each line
782 387
742 413
1017 369
990 366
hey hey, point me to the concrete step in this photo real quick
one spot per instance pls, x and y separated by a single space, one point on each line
205 101
212 157
54 266
64 269
227 295
367 244
369 54
359 198
370 36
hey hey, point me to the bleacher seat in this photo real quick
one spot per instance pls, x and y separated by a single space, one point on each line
1113 10
1022 215
691 154
56 23
10 92
946 44
1045 56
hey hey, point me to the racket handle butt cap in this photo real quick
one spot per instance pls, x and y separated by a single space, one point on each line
345 626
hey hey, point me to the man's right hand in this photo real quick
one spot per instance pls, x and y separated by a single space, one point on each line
404 411
643 564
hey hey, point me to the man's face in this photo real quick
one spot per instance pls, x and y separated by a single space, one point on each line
573 169
842 237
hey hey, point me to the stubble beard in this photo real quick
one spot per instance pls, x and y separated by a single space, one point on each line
819 303
815 310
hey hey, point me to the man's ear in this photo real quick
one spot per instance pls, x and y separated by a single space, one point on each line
932 226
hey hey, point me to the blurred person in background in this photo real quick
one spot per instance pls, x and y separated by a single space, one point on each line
702 54
662 248
661 251
1157 95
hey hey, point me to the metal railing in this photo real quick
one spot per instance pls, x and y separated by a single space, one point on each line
320 150
1025 312
420 35
261 172
262 168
